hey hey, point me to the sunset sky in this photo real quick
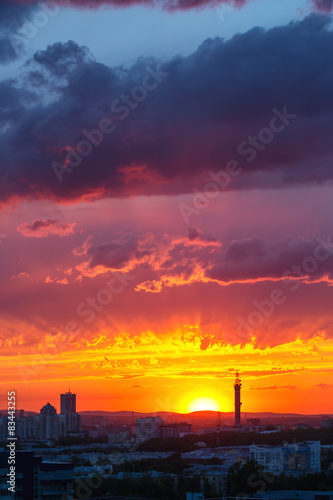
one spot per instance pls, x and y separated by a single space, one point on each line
166 198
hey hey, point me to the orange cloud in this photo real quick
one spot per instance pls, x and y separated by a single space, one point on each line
42 228
275 387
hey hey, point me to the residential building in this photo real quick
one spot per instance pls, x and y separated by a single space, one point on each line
55 480
301 426
48 424
216 479
327 423
254 425
119 438
175 430
292 458
148 428
35 479
27 428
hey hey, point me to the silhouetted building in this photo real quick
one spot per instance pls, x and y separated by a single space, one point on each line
68 402
301 426
27 428
327 423
70 421
185 428
254 425
148 428
3 428
55 480
216 479
88 420
35 479
175 430
254 422
119 438
48 423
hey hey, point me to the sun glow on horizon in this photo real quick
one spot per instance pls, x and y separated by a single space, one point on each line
202 404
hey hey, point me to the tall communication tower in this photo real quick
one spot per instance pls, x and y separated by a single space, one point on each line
237 387
218 429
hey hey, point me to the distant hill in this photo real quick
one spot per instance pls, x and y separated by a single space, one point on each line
205 418
199 419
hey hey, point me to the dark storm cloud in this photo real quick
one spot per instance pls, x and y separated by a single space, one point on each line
254 259
242 261
116 254
324 5
165 4
196 113
13 16
193 233
13 102
60 58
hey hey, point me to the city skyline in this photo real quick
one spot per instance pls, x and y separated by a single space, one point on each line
166 202
68 402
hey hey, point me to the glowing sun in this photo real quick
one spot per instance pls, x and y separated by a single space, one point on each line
201 404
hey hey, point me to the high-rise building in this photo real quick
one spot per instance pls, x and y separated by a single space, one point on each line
68 402
70 421
48 423
237 387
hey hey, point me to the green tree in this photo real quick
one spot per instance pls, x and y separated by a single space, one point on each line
247 478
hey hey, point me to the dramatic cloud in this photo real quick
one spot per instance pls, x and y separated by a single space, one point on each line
174 123
253 259
13 102
195 234
165 4
42 228
15 20
128 294
172 261
183 261
59 59
324 5
117 254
